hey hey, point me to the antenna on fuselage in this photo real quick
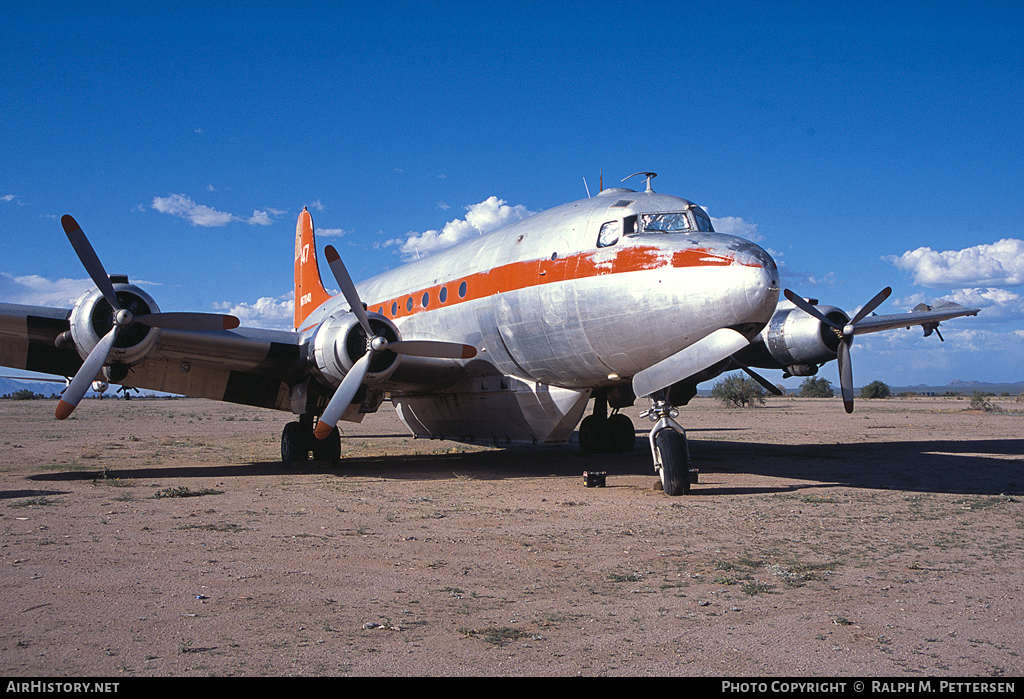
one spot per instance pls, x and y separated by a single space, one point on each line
649 175
586 187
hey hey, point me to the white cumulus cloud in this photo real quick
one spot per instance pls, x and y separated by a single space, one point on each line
33 290
184 207
267 312
734 225
992 265
480 218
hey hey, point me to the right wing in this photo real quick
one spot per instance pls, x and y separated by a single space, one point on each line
246 365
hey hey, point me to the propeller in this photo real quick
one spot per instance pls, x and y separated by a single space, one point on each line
771 388
123 318
377 343
845 334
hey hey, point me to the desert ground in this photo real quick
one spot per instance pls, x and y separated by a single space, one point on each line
164 538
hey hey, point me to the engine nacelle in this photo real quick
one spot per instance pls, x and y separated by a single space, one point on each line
92 318
801 342
340 342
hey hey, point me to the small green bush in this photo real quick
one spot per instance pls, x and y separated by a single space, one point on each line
816 388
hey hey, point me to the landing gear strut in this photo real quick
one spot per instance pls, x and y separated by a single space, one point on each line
297 442
601 433
668 447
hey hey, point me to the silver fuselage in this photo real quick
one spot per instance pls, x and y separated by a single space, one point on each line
542 301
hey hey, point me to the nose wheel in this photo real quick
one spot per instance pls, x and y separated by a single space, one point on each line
669 449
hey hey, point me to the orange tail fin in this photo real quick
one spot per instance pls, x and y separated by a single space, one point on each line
309 289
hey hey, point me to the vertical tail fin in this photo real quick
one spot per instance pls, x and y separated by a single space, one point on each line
309 289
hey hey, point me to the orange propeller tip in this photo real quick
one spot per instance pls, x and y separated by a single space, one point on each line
64 409
323 430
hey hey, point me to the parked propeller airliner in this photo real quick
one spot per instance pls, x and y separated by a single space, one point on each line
502 339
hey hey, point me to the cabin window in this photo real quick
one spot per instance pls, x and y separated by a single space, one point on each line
462 290
609 234
408 304
443 294
426 299
394 308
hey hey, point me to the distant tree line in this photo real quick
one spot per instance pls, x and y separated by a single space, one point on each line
26 394
737 391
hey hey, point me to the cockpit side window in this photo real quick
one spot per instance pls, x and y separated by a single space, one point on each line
609 234
703 222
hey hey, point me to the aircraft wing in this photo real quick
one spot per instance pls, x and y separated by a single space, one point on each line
246 365
927 316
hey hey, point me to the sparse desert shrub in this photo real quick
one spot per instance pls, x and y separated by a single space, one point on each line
816 388
875 389
739 392
979 401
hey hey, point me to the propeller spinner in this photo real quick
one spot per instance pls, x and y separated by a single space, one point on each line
376 343
845 334
123 318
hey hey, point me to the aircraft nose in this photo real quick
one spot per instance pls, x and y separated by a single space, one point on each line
762 288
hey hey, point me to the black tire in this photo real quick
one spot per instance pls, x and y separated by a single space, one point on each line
294 443
675 471
621 434
593 435
329 448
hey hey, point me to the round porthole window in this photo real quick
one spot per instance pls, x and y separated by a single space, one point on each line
408 304
443 294
394 309
462 290
426 299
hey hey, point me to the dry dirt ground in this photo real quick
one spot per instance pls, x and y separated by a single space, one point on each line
163 538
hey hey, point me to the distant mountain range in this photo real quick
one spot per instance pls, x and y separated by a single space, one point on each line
54 388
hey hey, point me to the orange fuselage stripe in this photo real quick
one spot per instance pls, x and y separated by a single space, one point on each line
522 275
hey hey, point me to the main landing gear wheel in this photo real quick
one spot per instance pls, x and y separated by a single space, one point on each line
297 441
675 466
601 433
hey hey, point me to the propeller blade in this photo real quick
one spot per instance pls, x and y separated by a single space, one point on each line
89 259
809 309
83 379
772 388
846 373
347 287
432 348
189 321
342 397
871 305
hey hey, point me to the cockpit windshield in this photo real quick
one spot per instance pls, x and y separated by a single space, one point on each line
665 223
674 223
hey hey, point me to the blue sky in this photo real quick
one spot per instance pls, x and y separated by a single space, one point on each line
864 145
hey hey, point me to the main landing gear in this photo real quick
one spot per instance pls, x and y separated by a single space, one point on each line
668 447
601 433
298 443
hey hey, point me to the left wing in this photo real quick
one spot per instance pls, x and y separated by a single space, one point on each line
802 335
245 365
924 315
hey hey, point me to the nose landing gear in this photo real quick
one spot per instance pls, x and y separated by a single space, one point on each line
669 448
